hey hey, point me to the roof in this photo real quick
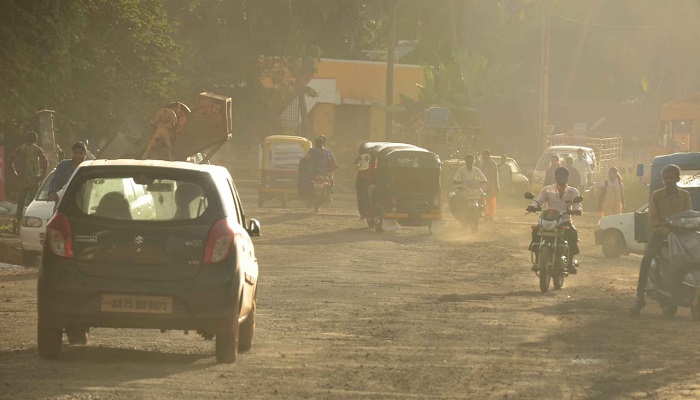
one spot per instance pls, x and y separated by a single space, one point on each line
568 148
677 158
153 163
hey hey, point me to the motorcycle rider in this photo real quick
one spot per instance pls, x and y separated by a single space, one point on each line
468 172
663 202
555 196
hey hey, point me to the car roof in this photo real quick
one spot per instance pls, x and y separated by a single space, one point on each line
182 165
568 148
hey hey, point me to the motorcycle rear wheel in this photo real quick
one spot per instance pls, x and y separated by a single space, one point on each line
545 267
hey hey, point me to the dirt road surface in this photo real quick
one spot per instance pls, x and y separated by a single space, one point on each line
347 313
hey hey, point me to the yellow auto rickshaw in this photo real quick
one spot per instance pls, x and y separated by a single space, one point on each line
279 167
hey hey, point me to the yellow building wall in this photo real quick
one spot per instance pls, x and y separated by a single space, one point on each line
366 80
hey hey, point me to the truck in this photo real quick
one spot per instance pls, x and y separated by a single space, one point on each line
608 150
178 132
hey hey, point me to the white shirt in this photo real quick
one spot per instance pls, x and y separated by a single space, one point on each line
583 168
464 175
550 196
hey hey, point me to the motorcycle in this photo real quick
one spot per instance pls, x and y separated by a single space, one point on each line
321 191
465 204
679 257
553 248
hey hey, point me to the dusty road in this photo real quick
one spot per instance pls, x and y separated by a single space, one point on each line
346 313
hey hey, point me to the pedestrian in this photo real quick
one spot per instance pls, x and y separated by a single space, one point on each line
29 164
612 194
490 170
574 177
333 165
584 169
65 169
549 173
505 175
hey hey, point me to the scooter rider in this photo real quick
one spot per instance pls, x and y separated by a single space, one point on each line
663 202
555 196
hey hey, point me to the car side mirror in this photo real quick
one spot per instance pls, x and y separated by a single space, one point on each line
529 196
640 170
253 227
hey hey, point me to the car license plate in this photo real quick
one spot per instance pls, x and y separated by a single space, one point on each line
137 304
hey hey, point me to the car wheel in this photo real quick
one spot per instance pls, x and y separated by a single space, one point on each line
30 258
613 244
227 344
247 331
49 341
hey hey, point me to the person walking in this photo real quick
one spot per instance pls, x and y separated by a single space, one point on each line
505 176
65 169
574 177
490 170
612 194
549 173
29 164
584 169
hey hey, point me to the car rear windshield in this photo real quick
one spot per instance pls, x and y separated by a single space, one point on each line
141 199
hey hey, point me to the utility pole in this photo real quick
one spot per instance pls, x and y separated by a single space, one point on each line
544 78
391 47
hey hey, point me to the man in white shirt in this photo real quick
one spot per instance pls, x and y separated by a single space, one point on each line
555 197
468 172
584 168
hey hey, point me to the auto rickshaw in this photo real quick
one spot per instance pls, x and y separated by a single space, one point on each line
366 171
402 184
279 167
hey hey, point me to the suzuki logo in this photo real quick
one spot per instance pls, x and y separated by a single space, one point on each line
138 239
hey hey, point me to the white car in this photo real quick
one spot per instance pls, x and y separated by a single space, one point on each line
33 227
615 234
562 152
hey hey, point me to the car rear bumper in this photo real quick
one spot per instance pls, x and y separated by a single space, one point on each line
208 302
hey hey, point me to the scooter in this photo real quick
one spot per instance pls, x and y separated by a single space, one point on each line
553 248
321 186
466 204
679 257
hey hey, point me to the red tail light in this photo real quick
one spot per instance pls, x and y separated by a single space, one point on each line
58 236
219 243
534 227
436 201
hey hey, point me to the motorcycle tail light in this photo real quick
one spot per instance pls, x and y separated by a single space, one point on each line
565 228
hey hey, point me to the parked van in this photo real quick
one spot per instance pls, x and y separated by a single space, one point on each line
562 152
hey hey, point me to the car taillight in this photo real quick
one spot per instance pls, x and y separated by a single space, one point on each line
436 201
219 242
58 236
394 201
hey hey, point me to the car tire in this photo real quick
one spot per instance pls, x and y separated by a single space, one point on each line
613 244
227 344
49 341
30 258
247 332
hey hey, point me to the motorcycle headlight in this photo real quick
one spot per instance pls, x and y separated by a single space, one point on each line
32 222
549 225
